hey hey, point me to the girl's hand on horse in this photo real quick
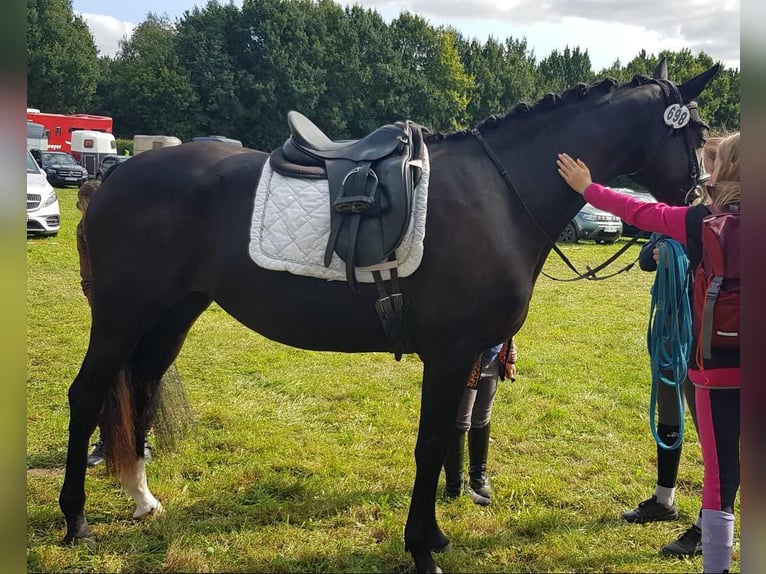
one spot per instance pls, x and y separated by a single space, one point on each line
575 173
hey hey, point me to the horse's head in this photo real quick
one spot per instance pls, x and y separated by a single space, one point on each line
672 166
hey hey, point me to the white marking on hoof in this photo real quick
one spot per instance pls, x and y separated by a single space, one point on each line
156 511
134 483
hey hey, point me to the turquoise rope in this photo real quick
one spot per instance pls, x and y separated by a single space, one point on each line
669 337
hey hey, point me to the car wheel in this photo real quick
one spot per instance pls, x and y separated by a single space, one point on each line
569 235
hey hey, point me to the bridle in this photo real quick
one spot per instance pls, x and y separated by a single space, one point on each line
672 95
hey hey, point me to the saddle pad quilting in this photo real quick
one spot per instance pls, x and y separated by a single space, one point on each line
291 226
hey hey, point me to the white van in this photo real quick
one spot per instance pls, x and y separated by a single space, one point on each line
43 217
89 148
142 143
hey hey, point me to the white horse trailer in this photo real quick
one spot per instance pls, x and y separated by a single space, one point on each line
89 148
142 143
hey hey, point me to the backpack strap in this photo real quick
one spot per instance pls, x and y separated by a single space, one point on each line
694 218
707 315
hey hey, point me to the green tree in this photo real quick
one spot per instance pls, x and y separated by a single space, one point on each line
151 91
433 83
62 59
562 70
504 75
208 41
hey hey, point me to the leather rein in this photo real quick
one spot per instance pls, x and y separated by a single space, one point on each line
670 92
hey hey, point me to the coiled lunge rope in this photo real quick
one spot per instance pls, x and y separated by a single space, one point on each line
669 336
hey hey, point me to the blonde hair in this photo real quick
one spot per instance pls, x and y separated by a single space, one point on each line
726 191
709 152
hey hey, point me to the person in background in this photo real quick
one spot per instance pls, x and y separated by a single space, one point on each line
716 379
661 505
473 418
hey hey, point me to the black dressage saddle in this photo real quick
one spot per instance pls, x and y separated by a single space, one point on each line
371 183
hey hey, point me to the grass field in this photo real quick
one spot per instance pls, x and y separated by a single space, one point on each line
301 461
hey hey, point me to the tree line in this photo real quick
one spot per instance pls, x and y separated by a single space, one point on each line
222 69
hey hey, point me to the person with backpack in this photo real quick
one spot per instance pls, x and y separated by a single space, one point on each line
661 505
710 232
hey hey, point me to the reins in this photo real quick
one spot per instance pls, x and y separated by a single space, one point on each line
669 336
590 273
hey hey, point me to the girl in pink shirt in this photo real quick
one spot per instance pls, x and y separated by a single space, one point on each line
716 379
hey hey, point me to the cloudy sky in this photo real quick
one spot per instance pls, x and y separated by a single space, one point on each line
607 29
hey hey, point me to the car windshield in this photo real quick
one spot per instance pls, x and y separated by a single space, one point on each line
32 164
59 159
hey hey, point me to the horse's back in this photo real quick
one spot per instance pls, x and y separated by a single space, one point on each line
165 208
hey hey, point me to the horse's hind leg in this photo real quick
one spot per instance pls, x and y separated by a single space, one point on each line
151 359
444 380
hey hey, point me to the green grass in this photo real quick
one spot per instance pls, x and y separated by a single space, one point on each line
301 461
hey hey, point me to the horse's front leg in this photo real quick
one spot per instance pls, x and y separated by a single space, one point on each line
444 380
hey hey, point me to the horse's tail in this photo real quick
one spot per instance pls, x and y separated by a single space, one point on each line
171 412
118 423
149 393
136 403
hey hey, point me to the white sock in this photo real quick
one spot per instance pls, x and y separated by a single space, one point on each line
717 540
665 496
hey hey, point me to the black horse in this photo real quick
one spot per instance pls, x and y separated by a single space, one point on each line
169 232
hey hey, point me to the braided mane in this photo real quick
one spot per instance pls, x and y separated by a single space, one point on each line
547 102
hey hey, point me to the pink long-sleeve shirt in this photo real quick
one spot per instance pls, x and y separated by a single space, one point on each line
669 220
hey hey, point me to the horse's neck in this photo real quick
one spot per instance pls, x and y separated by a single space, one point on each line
607 146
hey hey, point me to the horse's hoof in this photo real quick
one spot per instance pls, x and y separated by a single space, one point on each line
76 540
155 511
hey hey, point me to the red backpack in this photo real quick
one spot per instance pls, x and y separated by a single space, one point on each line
715 317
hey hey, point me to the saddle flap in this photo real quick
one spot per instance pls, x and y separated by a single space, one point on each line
388 205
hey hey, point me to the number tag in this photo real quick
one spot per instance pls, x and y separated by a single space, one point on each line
676 116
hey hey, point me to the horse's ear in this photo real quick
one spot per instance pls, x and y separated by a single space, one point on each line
661 71
690 89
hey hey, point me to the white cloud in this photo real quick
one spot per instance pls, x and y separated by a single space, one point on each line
607 29
710 26
107 32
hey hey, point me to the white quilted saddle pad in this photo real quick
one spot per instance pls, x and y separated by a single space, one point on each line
291 226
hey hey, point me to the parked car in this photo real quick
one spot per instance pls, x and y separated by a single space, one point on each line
592 223
62 169
107 162
631 230
43 217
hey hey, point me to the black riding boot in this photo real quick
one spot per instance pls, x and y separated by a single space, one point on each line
478 448
453 464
